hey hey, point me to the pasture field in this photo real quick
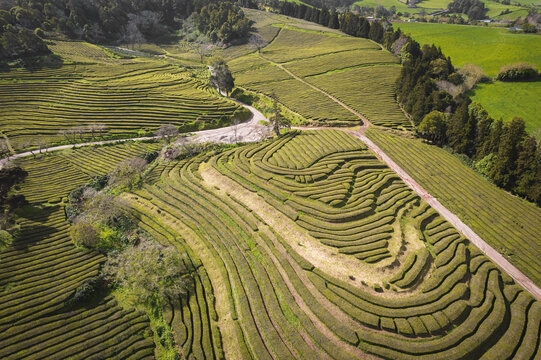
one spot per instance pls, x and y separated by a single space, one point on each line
429 6
125 97
488 47
41 271
399 5
494 47
507 100
506 222
313 248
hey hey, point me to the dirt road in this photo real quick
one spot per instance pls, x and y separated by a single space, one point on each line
253 131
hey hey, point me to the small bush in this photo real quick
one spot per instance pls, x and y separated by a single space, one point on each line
84 292
84 234
5 239
517 72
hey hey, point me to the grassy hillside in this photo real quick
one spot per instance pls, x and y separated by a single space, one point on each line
487 47
506 100
429 6
508 223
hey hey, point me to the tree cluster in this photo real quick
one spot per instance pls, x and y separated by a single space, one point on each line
149 270
416 86
96 21
502 152
517 72
223 21
222 77
475 9
10 176
17 37
99 219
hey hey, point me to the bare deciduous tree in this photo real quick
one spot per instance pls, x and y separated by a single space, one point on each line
4 148
95 129
167 132
128 173
257 42
202 50
278 121
236 123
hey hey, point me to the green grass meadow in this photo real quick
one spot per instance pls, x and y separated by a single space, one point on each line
487 47
490 48
506 100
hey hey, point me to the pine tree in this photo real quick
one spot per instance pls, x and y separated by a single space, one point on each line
492 144
484 123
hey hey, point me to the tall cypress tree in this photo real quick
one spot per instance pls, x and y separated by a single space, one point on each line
528 171
455 129
504 171
484 122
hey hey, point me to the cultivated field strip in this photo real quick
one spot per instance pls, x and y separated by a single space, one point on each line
192 318
294 44
39 273
368 90
122 98
355 71
53 175
507 223
339 61
81 52
254 213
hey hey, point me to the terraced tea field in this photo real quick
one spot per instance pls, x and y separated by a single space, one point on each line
310 247
507 222
42 269
124 98
356 71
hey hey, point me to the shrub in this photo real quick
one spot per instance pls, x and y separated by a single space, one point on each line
517 72
84 291
149 270
84 234
5 239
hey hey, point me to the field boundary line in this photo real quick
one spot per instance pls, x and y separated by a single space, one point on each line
365 121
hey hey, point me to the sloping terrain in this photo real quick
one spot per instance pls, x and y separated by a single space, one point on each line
313 247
